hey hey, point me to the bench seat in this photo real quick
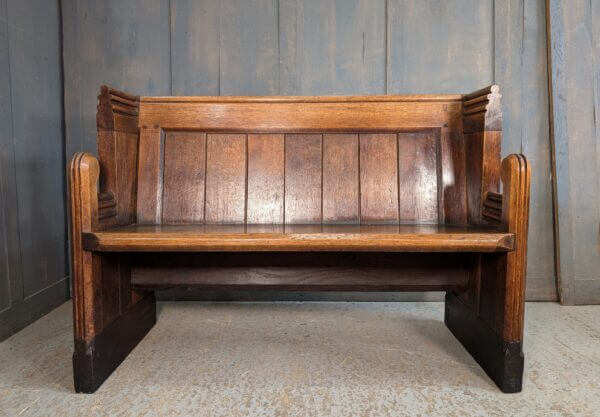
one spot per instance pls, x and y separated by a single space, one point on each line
276 238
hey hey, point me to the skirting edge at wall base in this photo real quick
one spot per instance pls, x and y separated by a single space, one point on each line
20 314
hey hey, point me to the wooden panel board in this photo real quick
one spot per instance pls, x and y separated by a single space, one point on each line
122 44
127 151
195 47
248 47
351 61
35 45
110 289
575 93
303 271
341 201
266 158
303 169
150 176
225 179
298 237
184 179
521 72
33 261
9 231
453 187
418 177
459 41
302 114
378 178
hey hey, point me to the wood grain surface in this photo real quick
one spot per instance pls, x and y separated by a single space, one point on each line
299 237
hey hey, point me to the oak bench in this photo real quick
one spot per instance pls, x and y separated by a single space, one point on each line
374 193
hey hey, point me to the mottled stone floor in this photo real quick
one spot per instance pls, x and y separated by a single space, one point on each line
306 359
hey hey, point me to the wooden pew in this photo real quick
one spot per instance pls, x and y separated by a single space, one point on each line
374 193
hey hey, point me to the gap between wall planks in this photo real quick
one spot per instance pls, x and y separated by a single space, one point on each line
376 46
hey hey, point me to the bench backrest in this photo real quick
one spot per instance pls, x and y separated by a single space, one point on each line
357 160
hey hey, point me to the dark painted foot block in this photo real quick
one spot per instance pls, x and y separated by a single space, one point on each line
503 361
93 362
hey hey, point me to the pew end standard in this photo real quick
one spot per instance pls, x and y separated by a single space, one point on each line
373 193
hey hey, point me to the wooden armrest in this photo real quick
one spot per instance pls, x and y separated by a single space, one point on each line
510 212
84 174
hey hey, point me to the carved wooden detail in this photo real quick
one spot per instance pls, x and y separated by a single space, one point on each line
482 110
492 207
117 110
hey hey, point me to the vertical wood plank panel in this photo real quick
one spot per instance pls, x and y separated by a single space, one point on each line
32 167
265 178
10 280
195 47
453 191
418 177
458 37
184 177
340 179
111 288
225 178
122 44
34 45
521 72
576 147
127 149
303 165
248 47
378 178
150 176
332 47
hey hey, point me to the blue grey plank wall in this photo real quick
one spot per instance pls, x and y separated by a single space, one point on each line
575 55
520 68
33 238
124 44
271 47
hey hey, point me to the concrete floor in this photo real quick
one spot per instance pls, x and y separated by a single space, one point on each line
307 359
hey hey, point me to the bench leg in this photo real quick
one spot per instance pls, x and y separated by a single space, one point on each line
95 360
502 360
110 319
487 320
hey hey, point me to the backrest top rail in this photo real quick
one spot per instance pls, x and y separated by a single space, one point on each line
303 99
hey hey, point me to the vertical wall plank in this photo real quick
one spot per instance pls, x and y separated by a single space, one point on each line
225 178
573 49
303 165
340 179
184 177
34 40
122 44
351 61
195 47
265 178
458 37
378 178
10 282
248 45
150 176
33 263
418 177
521 72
